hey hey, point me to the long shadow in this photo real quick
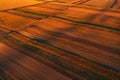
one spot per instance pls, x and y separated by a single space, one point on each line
90 18
60 34
114 3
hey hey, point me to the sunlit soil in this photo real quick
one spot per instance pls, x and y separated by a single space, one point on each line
60 40
11 21
103 3
108 18
7 4
39 10
23 14
54 5
3 31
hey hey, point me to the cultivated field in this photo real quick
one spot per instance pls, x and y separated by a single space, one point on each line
60 40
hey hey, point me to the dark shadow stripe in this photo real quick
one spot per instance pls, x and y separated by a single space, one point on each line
114 3
91 24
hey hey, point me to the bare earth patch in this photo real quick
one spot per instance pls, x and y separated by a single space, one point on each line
6 4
